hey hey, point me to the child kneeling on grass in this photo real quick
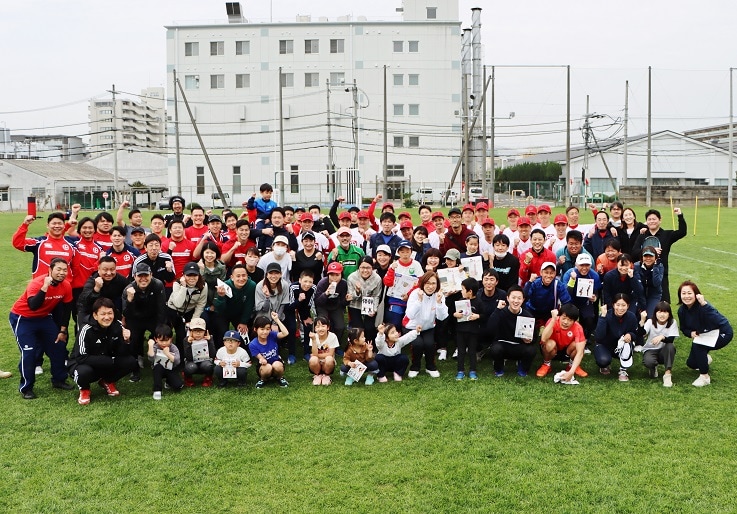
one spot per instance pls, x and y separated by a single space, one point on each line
322 358
199 351
231 361
264 348
389 354
165 358
358 352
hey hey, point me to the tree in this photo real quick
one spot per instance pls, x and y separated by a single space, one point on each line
547 171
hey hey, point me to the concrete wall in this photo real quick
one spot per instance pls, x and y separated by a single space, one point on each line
661 195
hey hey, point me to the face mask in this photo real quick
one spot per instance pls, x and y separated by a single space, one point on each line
251 261
279 251
500 255
315 217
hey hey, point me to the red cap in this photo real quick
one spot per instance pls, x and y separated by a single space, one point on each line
387 204
335 267
544 208
363 215
468 207
306 217
530 209
345 215
488 221
482 205
560 218
437 214
512 212
524 220
406 224
404 214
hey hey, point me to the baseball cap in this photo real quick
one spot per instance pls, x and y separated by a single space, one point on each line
404 214
512 212
544 208
343 230
530 209
281 239
583 258
191 268
406 224
453 254
214 217
468 207
437 214
345 215
273 267
306 217
454 210
309 234
488 221
363 215
548 264
353 208
385 249
335 267
404 244
197 323
524 220
482 205
560 218
232 334
649 250
138 230
387 204
142 269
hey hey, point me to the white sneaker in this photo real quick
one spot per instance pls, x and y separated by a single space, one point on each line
703 380
667 380
709 360
140 362
39 370
455 354
442 355
433 373
413 374
5 374
157 395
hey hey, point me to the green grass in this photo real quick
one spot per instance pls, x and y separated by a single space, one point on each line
496 445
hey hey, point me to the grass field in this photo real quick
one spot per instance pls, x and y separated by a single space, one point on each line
423 445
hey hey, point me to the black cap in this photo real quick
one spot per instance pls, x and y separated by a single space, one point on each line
214 217
454 210
273 266
191 268
309 234
141 269
138 230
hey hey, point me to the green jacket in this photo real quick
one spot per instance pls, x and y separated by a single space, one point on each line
239 308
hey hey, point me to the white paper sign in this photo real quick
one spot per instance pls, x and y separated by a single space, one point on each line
464 308
200 352
402 285
228 290
584 287
357 372
367 306
474 266
525 328
450 279
229 371
707 338
162 359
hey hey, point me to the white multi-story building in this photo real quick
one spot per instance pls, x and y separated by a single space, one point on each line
230 74
139 123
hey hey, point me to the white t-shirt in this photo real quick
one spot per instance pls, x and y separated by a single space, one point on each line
655 330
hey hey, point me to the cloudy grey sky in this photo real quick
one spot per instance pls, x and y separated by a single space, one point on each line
59 54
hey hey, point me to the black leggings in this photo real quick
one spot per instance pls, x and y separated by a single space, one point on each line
424 345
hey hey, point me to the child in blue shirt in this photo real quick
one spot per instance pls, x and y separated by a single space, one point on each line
263 205
264 349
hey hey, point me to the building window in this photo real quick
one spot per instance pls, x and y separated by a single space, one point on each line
191 49
414 46
286 46
242 80
398 141
398 79
242 47
414 109
106 111
337 46
217 81
217 47
200 180
191 82
294 179
337 78
398 46
312 46
4 193
414 141
236 180
312 79
287 80
398 109
413 79
432 13
395 170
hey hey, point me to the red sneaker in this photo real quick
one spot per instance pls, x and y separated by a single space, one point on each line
109 388
578 372
84 397
543 370
206 382
189 381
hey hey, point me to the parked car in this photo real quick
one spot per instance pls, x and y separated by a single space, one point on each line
451 199
163 204
475 193
217 203
424 196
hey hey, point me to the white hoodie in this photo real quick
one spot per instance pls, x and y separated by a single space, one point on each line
423 312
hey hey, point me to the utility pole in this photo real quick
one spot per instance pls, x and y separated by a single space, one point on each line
484 190
648 180
176 135
355 127
385 191
331 166
466 170
568 133
585 168
731 142
115 150
626 122
281 141
493 150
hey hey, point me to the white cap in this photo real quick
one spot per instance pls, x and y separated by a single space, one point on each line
548 264
583 258
384 248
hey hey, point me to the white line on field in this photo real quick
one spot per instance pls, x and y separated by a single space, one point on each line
720 251
731 268
718 286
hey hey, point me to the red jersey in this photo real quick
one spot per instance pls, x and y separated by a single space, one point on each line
84 262
563 338
60 293
240 253
181 254
44 249
123 259
194 234
103 240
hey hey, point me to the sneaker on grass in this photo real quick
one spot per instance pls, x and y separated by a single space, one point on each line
369 379
543 370
283 382
667 380
472 375
84 397
157 395
260 384
623 376
413 374
703 380
460 375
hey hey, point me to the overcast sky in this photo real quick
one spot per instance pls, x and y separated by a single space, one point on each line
62 53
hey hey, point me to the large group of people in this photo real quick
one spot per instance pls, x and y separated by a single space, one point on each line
207 295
